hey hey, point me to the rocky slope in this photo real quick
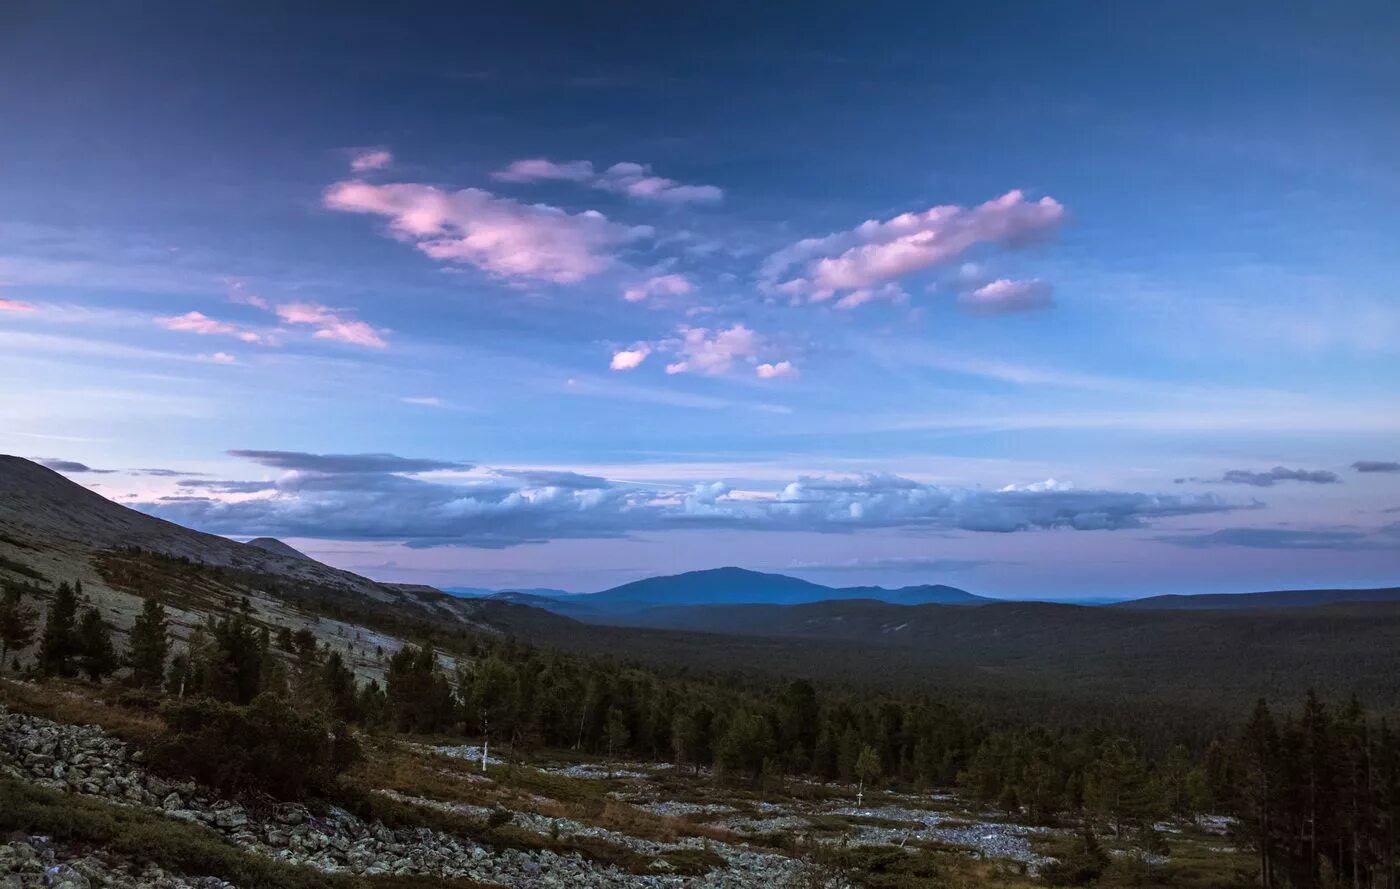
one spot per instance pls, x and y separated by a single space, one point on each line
85 760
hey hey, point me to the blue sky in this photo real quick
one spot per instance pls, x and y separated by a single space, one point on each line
1033 300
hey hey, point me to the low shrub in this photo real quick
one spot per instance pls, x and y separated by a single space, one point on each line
266 746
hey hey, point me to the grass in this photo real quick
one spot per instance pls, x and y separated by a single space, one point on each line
74 703
893 867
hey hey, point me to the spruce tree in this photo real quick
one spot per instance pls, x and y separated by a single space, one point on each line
16 622
95 653
148 646
58 644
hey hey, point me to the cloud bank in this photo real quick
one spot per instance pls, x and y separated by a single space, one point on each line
381 497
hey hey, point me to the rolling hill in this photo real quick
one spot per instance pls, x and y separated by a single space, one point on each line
1272 599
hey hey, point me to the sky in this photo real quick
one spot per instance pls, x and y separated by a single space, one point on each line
1038 300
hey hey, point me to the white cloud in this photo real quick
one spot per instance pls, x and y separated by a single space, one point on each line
661 285
1004 296
627 359
877 252
218 358
627 178
772 371
497 235
423 400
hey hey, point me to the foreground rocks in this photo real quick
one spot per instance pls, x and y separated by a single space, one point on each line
27 861
85 760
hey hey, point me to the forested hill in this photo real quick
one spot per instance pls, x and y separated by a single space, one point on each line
1273 599
1069 658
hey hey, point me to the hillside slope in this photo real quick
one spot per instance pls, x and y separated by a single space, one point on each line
53 529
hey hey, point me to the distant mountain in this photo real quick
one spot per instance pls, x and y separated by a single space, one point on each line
469 592
472 592
722 586
1274 599
924 594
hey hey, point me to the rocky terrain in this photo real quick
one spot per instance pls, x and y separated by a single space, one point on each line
85 760
38 861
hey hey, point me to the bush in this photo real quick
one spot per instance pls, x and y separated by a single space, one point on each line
1082 865
266 746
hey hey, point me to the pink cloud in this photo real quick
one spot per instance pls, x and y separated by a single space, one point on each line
537 169
631 179
239 293
497 235
371 159
662 285
713 352
14 305
330 324
201 324
708 352
856 298
877 252
627 359
1004 296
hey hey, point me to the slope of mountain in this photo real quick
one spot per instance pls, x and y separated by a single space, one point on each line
277 547
730 586
53 529
1272 599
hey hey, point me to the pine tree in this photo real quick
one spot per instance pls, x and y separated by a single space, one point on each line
1120 791
867 768
16 622
617 735
95 653
338 684
58 644
148 646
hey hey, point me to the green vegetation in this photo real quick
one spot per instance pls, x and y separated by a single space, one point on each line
16 621
265 746
148 646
